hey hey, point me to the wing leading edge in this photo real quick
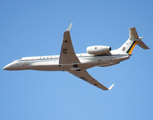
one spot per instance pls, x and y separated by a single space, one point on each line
84 75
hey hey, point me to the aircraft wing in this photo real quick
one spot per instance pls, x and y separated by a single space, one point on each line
84 75
67 55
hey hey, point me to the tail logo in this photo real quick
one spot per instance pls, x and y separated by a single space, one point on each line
123 48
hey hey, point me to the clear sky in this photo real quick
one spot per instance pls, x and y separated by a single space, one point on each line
35 28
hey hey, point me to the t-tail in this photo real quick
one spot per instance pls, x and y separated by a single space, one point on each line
134 39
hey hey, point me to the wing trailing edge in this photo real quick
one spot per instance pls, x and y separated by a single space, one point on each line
84 75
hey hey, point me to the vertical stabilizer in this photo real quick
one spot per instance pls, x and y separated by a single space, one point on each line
133 33
134 39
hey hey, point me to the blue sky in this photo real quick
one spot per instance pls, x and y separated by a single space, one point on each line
35 28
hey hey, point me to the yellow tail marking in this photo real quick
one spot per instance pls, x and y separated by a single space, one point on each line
133 47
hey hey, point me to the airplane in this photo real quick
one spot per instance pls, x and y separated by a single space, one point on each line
77 64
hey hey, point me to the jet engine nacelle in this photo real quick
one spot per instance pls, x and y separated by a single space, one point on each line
99 50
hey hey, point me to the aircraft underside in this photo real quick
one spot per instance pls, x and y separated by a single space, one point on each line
50 65
77 64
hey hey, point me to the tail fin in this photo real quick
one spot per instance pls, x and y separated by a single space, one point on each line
134 39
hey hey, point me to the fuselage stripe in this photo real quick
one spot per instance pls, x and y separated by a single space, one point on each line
132 47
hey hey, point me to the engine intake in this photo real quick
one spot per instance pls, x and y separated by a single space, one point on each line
99 50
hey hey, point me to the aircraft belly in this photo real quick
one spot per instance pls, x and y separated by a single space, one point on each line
115 59
96 59
51 66
45 66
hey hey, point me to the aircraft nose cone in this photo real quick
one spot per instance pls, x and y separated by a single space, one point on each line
7 67
11 66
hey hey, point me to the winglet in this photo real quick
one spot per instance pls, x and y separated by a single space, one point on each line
111 87
68 29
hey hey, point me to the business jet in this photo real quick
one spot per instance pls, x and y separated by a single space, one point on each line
77 64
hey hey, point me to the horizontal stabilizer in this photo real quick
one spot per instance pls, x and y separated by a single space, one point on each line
133 35
142 44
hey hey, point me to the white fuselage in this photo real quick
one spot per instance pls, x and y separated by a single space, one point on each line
51 63
77 64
